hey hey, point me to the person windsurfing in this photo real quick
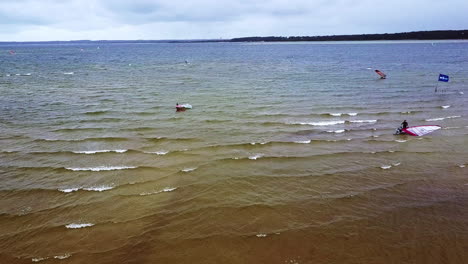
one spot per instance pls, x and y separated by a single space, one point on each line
403 125
381 74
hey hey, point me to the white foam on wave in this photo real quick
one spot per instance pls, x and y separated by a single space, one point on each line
68 73
189 169
462 166
396 164
352 114
363 121
386 167
69 190
256 156
39 259
261 235
320 123
302 141
75 226
335 114
102 168
167 189
401 140
445 106
100 151
99 188
442 118
161 152
336 131
64 256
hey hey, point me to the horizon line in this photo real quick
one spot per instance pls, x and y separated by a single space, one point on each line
462 31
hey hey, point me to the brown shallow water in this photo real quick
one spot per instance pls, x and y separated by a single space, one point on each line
280 161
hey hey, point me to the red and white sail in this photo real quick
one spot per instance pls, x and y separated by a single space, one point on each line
420 130
382 75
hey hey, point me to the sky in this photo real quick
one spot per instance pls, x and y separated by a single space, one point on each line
45 20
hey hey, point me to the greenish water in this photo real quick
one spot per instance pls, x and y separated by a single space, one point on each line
288 155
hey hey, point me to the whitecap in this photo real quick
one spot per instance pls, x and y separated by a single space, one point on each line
401 140
352 114
321 123
442 118
302 141
336 131
100 151
435 119
102 168
99 188
462 166
386 167
68 73
167 189
363 121
256 156
161 152
38 259
261 235
75 226
189 169
335 114
396 164
445 106
64 256
69 190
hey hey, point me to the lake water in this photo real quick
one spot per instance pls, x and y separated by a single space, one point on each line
288 155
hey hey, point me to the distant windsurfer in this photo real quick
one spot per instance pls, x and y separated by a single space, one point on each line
381 74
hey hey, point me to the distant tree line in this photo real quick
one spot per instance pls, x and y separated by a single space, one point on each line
417 35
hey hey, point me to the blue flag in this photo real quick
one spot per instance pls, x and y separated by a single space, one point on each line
443 78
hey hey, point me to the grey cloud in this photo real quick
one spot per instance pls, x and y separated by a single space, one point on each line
119 19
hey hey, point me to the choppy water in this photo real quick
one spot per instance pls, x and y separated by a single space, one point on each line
286 157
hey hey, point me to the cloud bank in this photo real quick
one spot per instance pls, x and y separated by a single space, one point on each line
29 20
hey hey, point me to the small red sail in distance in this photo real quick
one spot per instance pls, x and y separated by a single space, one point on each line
382 75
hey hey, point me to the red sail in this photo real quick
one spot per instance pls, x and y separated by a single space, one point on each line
382 75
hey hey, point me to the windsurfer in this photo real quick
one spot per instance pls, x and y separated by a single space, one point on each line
404 124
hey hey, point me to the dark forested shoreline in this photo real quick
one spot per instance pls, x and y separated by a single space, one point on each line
416 35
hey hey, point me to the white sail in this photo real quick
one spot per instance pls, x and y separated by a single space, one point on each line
420 130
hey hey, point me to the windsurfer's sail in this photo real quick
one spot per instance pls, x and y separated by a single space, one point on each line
382 75
420 130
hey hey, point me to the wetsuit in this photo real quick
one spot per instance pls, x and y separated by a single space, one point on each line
404 124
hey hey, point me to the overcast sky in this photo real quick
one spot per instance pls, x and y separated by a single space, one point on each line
29 20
